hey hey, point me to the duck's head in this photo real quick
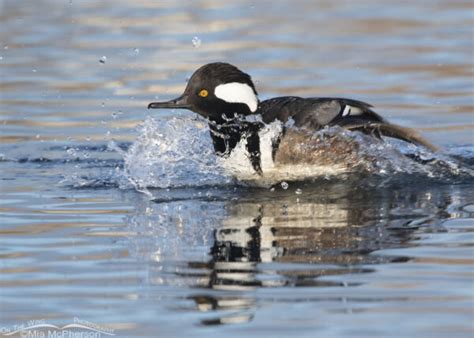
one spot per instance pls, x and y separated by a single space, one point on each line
216 91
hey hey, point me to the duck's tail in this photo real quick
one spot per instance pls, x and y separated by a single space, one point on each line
395 131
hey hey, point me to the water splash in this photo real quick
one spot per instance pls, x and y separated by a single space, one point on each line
196 42
177 152
394 158
173 152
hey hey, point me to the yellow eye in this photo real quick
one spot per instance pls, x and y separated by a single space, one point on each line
203 93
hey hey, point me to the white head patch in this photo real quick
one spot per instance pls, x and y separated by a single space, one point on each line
236 92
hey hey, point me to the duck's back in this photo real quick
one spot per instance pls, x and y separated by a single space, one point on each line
315 113
312 114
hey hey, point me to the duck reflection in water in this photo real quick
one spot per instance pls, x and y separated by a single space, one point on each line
285 239
305 238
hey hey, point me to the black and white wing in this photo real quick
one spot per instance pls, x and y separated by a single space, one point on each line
315 113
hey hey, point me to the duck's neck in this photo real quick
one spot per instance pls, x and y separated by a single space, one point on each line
227 133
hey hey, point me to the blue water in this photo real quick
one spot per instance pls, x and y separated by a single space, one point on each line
117 215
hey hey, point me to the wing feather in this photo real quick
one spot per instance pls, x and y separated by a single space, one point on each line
315 113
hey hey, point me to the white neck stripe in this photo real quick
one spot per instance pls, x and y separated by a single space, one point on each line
236 92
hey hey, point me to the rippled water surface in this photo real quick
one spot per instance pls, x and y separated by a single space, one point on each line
120 216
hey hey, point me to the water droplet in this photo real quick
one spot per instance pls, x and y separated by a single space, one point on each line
298 191
103 104
38 135
136 51
284 185
103 59
272 189
33 70
196 42
5 47
107 133
116 114
1 57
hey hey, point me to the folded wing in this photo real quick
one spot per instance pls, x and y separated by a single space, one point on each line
316 113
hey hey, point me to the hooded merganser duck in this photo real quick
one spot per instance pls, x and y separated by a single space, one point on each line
275 140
